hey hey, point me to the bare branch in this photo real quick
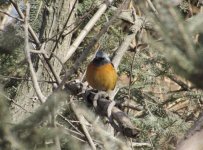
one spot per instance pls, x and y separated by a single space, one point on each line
86 30
13 101
25 79
28 58
125 45
1 11
22 17
34 36
134 144
81 120
152 7
119 120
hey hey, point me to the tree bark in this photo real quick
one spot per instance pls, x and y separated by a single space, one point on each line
57 16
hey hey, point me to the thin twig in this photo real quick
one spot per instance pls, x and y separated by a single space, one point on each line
80 118
37 42
69 131
179 82
64 27
70 123
25 79
13 101
28 58
152 7
86 30
134 144
36 51
1 11
22 17
76 23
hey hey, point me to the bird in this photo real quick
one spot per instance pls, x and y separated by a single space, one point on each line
101 74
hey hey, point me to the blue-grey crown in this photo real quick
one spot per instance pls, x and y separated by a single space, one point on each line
101 58
101 54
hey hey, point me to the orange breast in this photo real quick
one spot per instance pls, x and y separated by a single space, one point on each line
102 77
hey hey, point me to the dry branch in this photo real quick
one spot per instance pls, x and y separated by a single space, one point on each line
37 41
3 12
118 119
86 29
138 24
20 13
81 120
28 57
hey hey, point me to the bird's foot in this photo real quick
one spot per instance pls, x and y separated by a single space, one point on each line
100 94
110 107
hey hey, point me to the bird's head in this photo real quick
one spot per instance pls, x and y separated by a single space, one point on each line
101 58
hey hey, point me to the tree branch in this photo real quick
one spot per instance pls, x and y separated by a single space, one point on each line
118 117
1 11
37 42
81 120
138 23
22 17
28 58
86 30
